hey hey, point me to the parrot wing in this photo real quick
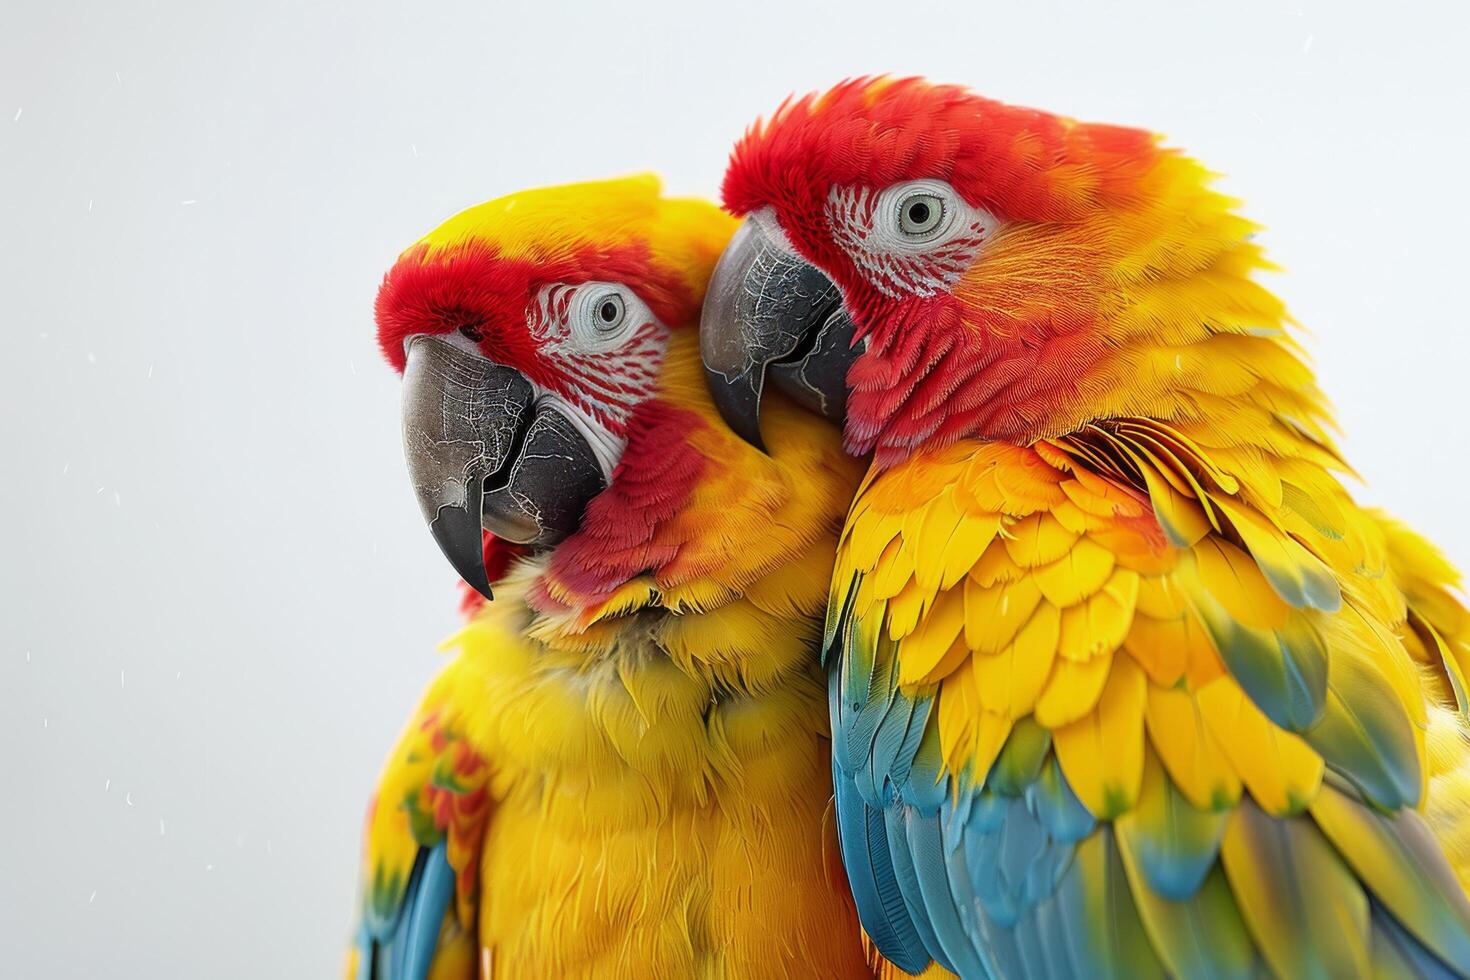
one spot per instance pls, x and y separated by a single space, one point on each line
421 852
1102 707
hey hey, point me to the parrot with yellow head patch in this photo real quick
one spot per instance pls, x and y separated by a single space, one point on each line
624 769
1123 682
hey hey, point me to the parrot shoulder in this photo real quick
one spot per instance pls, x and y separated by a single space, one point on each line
422 839
1120 665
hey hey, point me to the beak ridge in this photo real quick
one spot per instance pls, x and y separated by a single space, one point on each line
462 415
772 317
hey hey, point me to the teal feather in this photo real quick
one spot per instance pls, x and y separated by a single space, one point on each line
1019 763
424 916
1172 844
894 819
1203 936
1366 735
1014 862
927 785
903 758
1103 936
1399 956
933 866
407 951
870 872
1305 910
1284 672
1401 863
1057 807
890 739
865 692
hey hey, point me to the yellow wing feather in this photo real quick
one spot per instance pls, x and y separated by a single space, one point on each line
1094 581
1193 643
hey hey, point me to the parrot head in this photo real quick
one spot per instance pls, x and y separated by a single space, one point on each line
927 265
529 330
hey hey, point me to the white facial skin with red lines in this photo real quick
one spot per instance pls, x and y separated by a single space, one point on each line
915 238
606 346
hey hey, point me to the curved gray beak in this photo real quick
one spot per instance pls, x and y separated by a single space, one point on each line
482 454
771 315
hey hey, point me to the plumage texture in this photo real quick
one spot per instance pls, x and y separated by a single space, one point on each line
625 767
1184 700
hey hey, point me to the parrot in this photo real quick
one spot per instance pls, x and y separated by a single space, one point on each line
623 770
1123 682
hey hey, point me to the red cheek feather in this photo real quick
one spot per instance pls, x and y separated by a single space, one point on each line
932 375
627 529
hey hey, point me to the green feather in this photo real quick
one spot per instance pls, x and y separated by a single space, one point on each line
1019 763
1302 905
1403 865
1172 844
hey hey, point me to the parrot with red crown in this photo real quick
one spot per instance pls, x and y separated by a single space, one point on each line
624 769
1122 680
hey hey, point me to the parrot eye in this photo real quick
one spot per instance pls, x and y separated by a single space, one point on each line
921 214
916 215
609 312
913 238
603 315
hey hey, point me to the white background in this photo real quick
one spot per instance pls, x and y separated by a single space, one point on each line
218 601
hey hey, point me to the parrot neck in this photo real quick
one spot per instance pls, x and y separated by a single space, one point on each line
696 520
1144 309
1225 384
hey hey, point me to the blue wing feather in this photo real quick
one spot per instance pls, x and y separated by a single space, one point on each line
402 947
870 872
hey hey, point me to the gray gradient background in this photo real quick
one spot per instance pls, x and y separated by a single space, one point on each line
218 601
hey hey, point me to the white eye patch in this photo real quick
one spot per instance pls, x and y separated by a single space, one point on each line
602 316
915 238
601 348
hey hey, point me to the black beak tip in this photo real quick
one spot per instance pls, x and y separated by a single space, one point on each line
738 401
458 536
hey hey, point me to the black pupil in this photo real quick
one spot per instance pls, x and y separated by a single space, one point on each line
608 311
918 212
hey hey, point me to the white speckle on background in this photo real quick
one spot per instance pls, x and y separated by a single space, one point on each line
45 722
117 496
90 202
161 829
122 676
19 111
1307 44
99 490
411 146
107 785
352 366
150 371
91 358
209 867
188 202
66 468
93 898
129 797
